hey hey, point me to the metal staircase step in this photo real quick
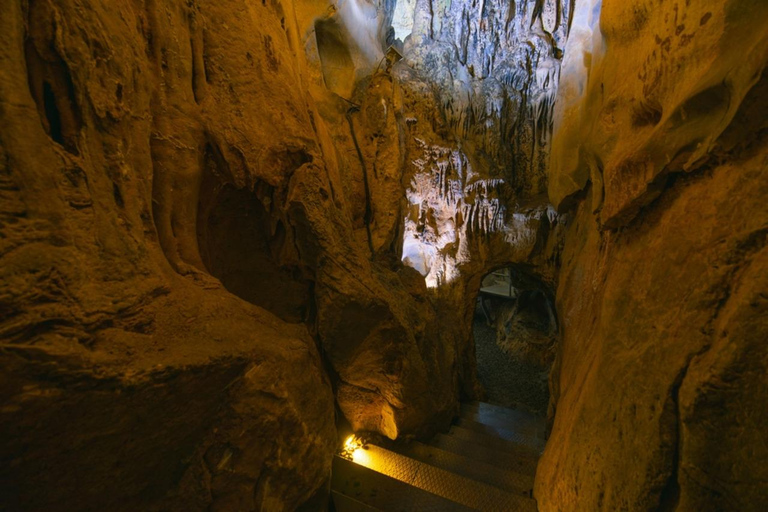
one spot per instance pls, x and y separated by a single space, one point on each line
385 493
489 455
533 441
508 419
526 449
471 468
519 415
343 503
455 487
486 462
520 454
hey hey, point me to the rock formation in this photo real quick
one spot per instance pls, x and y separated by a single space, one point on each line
662 288
231 230
132 379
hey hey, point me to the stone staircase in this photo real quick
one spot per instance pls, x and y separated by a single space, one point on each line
486 462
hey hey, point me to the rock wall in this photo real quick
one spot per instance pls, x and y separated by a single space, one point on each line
132 379
429 190
495 68
229 227
660 148
488 73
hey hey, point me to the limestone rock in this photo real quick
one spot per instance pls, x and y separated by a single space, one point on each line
660 376
659 86
495 68
526 329
132 380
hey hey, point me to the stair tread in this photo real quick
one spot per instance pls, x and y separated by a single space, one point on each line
449 485
513 411
383 492
498 458
487 462
509 419
344 503
534 441
471 468
525 447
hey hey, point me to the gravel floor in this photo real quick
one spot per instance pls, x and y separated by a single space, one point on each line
507 381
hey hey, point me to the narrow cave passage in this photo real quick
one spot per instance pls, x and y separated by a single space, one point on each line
283 255
488 458
515 331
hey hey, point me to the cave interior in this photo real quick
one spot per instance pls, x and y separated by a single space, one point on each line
383 255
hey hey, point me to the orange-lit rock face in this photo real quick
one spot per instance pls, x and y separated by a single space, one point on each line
662 383
132 378
659 88
662 376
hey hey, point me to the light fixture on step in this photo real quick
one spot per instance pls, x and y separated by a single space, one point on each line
353 448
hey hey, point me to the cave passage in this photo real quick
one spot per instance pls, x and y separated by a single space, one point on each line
515 331
240 248
384 255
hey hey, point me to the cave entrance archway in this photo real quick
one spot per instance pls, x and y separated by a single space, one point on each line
516 334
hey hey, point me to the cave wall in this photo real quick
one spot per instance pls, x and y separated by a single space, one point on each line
132 379
495 68
660 151
488 73
224 222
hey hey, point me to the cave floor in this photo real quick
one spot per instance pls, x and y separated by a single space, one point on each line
508 381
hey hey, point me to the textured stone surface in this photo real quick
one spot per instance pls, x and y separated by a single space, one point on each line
670 350
661 378
216 217
478 85
435 191
132 379
659 85
495 68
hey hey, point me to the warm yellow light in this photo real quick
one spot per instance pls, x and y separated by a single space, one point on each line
351 444
361 457
353 448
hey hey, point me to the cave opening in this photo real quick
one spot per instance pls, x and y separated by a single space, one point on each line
240 246
246 245
515 329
